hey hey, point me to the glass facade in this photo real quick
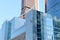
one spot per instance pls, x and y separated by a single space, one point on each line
56 29
6 30
53 7
44 27
34 25
15 24
12 28
47 27
31 25
37 27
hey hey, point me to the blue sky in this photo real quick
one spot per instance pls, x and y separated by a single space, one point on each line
12 8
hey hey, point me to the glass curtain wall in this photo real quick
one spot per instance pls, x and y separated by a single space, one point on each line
56 30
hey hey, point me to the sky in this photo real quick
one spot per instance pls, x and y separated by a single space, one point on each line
12 8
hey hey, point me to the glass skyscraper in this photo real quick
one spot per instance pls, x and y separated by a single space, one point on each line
53 8
56 23
36 26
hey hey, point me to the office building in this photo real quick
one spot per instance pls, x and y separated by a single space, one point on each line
56 23
17 28
10 29
36 26
6 31
32 25
53 8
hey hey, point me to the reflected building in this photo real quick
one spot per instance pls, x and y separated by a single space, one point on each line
53 7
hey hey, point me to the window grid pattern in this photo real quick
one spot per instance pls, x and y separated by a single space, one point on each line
56 30
38 26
